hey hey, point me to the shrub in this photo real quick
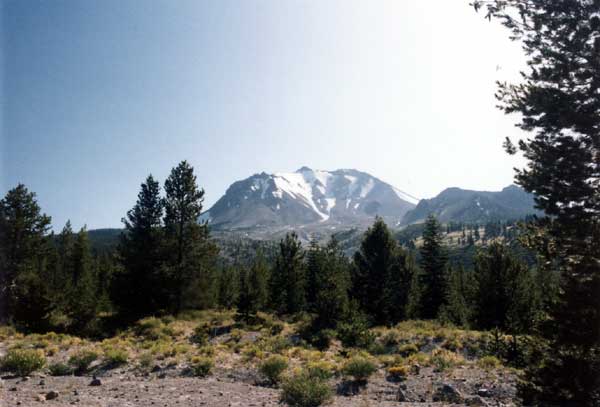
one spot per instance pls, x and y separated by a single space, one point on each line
201 365
22 361
452 344
408 349
305 390
355 334
360 368
146 360
398 372
60 369
390 338
152 328
489 362
82 360
200 335
116 357
321 370
273 367
443 359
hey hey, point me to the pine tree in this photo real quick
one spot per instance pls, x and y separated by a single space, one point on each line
433 265
82 299
139 288
287 283
505 298
559 101
332 284
315 258
381 279
191 254
228 288
23 250
253 291
458 307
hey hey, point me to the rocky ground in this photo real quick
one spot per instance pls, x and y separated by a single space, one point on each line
166 387
445 367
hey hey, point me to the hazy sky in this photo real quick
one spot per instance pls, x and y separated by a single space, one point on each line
97 94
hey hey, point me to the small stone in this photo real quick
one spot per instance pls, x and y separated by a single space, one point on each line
415 369
156 368
400 396
483 392
162 375
12 389
42 382
51 395
449 394
40 397
475 401
24 378
95 382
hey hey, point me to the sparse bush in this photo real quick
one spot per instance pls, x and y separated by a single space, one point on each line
273 367
408 349
390 338
115 357
146 360
305 390
82 360
200 335
22 361
152 328
489 362
443 359
320 369
360 368
452 344
398 372
201 365
355 334
60 369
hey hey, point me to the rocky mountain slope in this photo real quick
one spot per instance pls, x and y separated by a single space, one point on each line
461 205
305 197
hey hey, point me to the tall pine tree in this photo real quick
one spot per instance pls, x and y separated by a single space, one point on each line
433 265
559 102
288 278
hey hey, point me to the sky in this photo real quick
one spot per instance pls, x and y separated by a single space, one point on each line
96 95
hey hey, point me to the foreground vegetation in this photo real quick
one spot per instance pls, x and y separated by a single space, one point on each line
271 349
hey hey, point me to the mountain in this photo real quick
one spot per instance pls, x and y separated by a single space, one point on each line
307 197
461 205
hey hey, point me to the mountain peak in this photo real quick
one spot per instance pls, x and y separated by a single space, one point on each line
307 196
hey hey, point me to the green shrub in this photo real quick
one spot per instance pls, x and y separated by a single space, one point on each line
22 361
116 357
321 370
443 359
398 372
60 369
408 349
82 360
359 367
273 367
305 390
201 365
152 328
355 334
489 362
200 335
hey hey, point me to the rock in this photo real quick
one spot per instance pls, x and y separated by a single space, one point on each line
156 368
42 382
415 369
483 392
51 395
162 375
448 393
12 389
95 382
40 397
476 401
400 395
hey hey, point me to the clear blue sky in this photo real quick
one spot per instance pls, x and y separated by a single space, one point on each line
97 94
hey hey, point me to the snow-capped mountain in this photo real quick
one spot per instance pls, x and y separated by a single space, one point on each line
346 197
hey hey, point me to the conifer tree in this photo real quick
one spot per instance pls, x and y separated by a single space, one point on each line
332 284
139 287
433 266
82 300
191 254
559 102
288 294
228 286
253 291
505 297
23 248
459 294
315 258
380 280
